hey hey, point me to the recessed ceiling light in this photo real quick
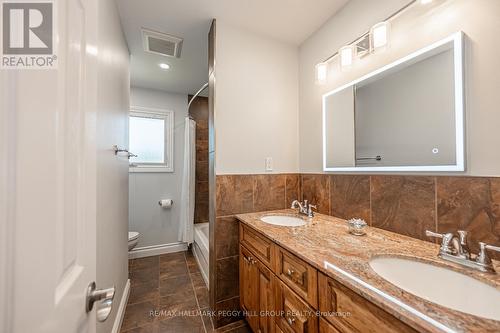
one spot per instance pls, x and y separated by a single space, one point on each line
164 66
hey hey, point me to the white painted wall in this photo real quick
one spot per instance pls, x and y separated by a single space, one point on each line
157 225
256 102
112 171
411 31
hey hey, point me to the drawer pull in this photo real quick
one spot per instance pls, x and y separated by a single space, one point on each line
290 321
290 272
249 260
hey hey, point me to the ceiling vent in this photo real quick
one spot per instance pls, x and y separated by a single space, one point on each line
160 43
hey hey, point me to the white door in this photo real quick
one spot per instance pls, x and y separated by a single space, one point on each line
48 183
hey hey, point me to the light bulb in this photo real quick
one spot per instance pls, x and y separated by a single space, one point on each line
346 55
321 73
380 36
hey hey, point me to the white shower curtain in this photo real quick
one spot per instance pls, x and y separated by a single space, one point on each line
186 232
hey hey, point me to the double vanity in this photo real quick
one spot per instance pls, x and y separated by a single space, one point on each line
309 274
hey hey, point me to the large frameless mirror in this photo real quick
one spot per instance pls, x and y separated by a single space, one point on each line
406 116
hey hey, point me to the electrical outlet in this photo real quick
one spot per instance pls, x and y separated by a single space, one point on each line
269 164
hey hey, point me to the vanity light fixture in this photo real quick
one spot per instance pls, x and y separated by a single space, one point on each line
347 54
321 73
379 34
164 66
378 37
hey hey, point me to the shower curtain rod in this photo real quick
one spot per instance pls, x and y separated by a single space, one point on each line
197 93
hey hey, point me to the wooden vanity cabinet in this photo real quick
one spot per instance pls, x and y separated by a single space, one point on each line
256 292
300 298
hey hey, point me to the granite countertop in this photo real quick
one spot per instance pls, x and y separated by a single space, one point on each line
325 243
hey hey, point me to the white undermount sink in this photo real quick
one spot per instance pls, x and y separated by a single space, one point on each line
440 285
283 220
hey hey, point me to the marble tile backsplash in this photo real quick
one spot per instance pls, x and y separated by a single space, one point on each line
402 204
409 205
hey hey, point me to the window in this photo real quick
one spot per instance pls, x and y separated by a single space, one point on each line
151 139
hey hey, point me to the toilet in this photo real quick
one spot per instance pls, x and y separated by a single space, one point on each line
133 238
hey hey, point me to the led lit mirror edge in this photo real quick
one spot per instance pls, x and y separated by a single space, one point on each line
458 52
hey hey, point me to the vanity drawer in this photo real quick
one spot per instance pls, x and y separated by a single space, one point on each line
257 244
363 316
298 275
293 315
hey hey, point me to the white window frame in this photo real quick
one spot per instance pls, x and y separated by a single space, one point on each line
168 117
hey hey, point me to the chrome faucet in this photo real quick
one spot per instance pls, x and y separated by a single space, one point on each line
305 208
460 246
455 249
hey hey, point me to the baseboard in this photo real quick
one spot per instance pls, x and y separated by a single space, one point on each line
155 250
117 325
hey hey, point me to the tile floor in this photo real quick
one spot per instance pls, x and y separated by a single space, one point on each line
168 294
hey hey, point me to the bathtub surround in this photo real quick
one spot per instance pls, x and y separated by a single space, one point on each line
199 112
158 226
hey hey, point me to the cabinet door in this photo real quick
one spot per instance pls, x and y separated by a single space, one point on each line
249 288
293 315
266 299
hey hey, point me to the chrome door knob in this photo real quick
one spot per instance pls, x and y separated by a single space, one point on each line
104 296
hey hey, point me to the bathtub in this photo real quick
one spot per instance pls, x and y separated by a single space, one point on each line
200 248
